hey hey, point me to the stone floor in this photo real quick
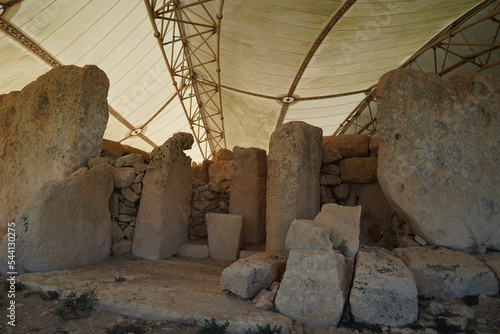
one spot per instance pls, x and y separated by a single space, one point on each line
176 289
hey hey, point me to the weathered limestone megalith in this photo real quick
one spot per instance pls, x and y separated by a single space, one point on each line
314 288
247 277
306 235
447 274
383 290
224 235
344 222
49 129
439 155
349 146
293 188
248 192
65 223
163 217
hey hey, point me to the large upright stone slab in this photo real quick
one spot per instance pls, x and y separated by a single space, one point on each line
383 290
248 192
49 129
65 224
224 235
439 155
314 288
163 217
447 274
293 188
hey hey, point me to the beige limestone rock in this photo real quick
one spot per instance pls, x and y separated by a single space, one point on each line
314 288
330 155
224 235
330 169
65 224
220 174
306 235
492 260
121 247
195 249
163 217
373 146
359 170
203 174
246 277
329 180
383 290
116 232
344 222
223 155
100 160
130 195
349 146
248 192
123 176
129 160
447 274
49 129
293 188
439 155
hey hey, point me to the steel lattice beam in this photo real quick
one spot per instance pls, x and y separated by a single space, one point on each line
188 35
450 43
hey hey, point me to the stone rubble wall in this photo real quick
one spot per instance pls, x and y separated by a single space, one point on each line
129 166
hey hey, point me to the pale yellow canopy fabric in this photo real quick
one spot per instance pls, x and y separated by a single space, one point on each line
263 46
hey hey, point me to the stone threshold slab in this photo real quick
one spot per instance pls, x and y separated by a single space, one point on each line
183 290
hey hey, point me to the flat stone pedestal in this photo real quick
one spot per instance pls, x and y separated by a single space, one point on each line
224 235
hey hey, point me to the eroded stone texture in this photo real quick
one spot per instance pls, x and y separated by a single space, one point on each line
447 274
439 155
246 277
306 235
65 223
359 170
220 174
163 218
383 290
314 288
49 129
293 188
224 235
349 146
248 192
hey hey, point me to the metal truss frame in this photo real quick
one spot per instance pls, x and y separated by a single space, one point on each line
450 44
188 35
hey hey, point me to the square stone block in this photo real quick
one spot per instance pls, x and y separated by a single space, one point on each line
224 235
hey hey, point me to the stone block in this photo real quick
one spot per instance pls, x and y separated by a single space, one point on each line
194 249
224 235
314 288
349 146
306 235
220 174
383 290
129 160
121 247
330 155
223 155
123 176
163 217
293 188
359 170
65 224
247 277
50 128
344 222
447 274
373 146
248 192
330 169
439 155
130 195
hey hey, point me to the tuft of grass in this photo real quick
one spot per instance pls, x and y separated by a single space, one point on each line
75 306
49 295
471 300
120 279
265 330
211 327
126 329
442 326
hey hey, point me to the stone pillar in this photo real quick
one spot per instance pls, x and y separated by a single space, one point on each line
248 192
293 188
163 218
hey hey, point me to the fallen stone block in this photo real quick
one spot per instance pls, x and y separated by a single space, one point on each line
383 290
447 274
246 277
314 288
306 235
224 235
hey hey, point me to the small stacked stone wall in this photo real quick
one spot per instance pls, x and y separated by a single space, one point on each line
211 189
349 178
128 172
